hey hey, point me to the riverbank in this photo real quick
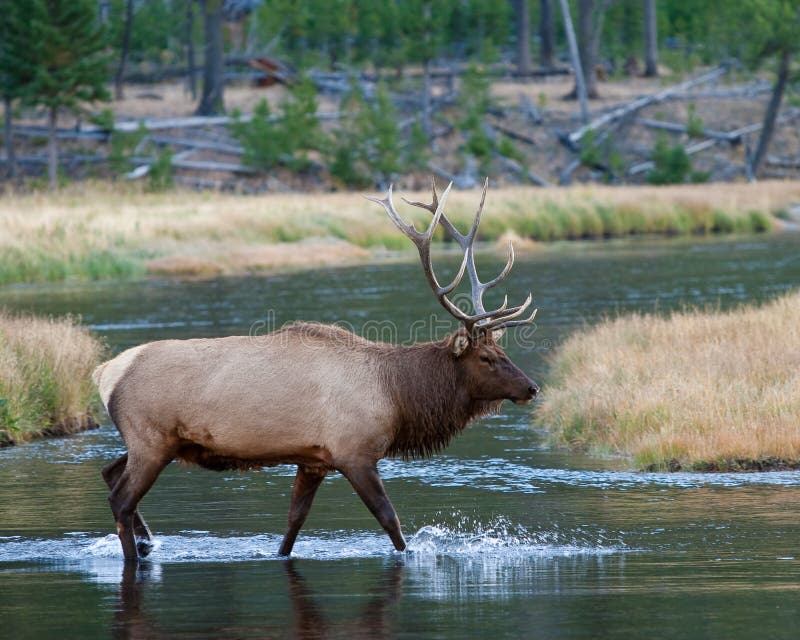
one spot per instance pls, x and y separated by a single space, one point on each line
119 231
702 390
45 377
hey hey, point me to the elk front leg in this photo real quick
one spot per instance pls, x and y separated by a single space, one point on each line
368 486
306 483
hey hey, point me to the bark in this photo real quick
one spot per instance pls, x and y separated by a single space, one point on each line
126 45
11 160
771 114
580 86
650 39
211 101
523 38
586 50
52 149
547 36
190 48
426 97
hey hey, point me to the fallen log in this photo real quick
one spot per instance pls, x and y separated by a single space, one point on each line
207 165
519 169
196 143
515 135
573 138
697 147
677 127
34 131
783 163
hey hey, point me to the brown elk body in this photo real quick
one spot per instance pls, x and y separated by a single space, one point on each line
313 395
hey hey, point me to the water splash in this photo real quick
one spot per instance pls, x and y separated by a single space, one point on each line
468 538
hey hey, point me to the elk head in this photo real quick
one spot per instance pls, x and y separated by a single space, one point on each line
488 372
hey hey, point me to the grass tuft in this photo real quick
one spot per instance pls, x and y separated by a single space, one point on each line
45 376
705 390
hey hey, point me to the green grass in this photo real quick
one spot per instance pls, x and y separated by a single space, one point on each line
77 235
45 383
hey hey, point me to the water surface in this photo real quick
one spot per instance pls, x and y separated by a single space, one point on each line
507 538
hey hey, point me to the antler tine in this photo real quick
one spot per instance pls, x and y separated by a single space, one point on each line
515 323
423 243
433 207
502 316
510 314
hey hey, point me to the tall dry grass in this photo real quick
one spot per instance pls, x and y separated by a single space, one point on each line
100 231
697 389
45 376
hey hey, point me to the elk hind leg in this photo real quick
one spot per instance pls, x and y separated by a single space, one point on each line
306 483
144 537
134 482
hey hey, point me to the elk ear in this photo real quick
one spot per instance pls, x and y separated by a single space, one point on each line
459 345
497 334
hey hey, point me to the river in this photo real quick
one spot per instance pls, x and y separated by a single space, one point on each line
508 538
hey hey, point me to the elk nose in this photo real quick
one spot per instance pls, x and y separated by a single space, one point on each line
533 390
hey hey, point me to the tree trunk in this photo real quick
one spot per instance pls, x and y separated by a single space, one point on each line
190 48
52 149
211 102
650 39
426 97
547 36
771 114
523 38
11 160
580 85
126 44
586 49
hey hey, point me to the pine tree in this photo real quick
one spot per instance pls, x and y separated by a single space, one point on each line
59 48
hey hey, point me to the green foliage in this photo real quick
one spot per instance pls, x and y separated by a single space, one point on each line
590 150
508 149
366 148
8 420
672 165
59 46
473 103
123 144
284 138
104 119
160 177
157 31
694 124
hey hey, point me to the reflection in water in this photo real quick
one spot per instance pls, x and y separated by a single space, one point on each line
133 621
511 538
372 620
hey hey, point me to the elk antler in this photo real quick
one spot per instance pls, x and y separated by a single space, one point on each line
481 320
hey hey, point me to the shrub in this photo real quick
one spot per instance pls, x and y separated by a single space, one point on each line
672 164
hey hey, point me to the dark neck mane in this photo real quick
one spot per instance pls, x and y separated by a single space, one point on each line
433 405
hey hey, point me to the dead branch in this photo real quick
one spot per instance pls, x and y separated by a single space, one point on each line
621 112
196 143
519 169
515 135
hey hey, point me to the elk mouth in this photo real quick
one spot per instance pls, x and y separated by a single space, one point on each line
532 392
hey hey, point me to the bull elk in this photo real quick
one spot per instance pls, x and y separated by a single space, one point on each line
310 394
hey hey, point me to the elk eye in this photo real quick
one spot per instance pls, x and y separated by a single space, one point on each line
486 360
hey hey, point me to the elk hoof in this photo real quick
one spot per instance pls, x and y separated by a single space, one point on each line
143 547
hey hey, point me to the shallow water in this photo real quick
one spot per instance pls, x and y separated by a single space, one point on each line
507 538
